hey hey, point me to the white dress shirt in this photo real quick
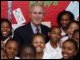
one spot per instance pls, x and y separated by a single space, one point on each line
34 28
52 53
62 32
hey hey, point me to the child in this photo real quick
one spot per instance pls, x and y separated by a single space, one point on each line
72 27
52 47
39 44
11 48
75 36
69 49
28 52
64 19
3 54
6 31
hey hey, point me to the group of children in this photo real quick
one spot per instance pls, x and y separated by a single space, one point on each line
58 47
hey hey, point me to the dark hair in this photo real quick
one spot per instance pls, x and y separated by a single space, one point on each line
41 35
26 46
13 40
64 13
31 46
73 42
6 20
54 27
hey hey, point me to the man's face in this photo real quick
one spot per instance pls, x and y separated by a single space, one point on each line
65 20
36 15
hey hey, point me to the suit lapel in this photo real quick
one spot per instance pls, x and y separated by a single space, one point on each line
42 29
29 29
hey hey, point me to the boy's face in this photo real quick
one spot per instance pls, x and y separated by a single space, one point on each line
72 27
65 20
68 50
5 29
55 34
28 53
3 55
39 43
12 49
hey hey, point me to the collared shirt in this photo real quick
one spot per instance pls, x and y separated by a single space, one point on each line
63 38
34 28
62 32
52 53
4 42
17 58
7 39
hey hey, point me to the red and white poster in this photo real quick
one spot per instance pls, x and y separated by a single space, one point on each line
52 9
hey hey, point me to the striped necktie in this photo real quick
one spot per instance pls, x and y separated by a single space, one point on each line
37 29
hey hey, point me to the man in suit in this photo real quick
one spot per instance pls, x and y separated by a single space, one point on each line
24 34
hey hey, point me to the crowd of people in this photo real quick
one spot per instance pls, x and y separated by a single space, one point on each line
36 41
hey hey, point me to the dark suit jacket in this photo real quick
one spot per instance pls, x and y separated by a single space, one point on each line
24 34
